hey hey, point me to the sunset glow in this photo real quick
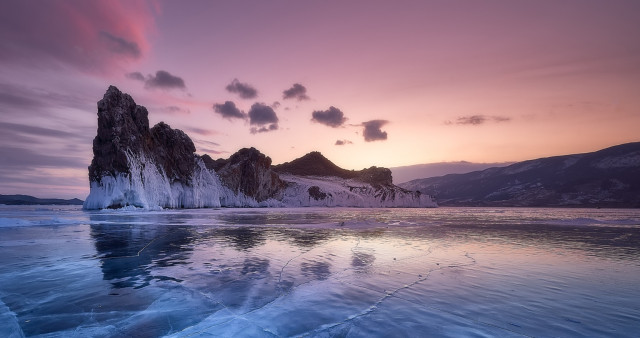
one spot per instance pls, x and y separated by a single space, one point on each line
428 81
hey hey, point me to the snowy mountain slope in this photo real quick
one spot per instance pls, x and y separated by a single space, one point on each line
607 178
419 171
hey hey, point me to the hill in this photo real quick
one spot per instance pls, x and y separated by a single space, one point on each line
606 178
30 200
411 172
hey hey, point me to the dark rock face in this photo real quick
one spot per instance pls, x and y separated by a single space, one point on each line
315 164
605 178
376 176
173 151
123 128
316 193
248 171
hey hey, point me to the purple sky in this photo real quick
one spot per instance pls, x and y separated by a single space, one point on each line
387 83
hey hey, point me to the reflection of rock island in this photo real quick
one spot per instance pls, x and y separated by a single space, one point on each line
134 165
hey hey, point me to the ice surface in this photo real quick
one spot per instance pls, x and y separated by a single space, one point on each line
447 272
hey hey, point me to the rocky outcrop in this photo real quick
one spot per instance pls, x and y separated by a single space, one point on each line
141 166
249 172
123 132
315 164
134 165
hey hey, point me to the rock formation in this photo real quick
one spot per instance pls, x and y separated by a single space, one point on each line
134 165
249 172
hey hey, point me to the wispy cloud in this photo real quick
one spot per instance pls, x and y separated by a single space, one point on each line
343 142
476 120
89 36
120 45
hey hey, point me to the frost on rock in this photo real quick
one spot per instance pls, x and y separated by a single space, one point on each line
147 186
338 192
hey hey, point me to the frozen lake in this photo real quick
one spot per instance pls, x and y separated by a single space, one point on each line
446 272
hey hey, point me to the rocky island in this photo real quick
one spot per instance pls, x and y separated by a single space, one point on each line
135 165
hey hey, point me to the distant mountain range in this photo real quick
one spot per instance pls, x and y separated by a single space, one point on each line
30 200
606 178
412 172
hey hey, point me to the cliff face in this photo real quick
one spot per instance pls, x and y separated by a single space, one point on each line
123 131
141 166
122 126
134 165
248 171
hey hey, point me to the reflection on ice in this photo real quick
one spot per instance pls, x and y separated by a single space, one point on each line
319 272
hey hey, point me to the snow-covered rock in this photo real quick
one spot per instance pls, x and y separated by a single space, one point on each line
331 191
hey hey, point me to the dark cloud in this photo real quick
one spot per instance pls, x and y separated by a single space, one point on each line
229 110
261 114
333 117
135 76
245 90
119 45
372 131
476 120
263 118
275 105
343 142
297 91
164 80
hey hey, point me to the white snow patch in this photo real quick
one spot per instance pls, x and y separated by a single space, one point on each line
340 192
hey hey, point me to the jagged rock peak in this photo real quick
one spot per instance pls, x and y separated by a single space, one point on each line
123 130
248 171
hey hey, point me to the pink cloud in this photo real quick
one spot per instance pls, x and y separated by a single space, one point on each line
90 36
